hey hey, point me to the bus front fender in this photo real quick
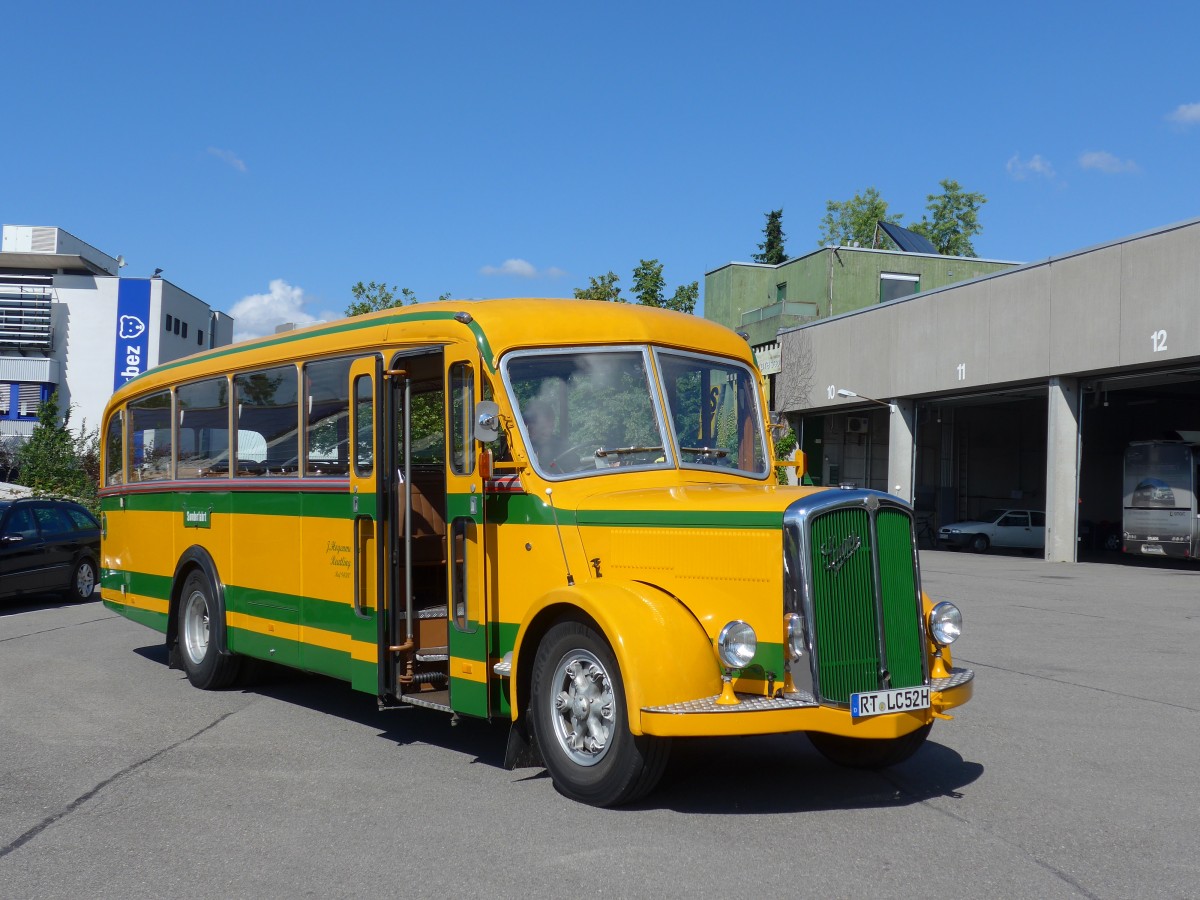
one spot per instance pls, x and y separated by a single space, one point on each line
663 652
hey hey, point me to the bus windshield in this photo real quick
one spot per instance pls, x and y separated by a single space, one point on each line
592 411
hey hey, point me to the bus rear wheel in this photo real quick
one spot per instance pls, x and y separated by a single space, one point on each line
206 667
579 719
863 753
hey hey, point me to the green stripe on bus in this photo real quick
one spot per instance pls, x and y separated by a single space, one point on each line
147 617
527 509
469 697
471 644
286 501
157 586
669 518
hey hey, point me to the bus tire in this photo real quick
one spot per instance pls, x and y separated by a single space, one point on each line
864 753
206 667
580 722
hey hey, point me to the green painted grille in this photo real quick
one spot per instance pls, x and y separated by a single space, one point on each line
846 611
901 613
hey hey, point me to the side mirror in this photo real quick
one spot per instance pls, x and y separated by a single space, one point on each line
487 420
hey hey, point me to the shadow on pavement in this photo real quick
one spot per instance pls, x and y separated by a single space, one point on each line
29 602
739 775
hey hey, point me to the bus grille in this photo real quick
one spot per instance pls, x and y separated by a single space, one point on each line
865 603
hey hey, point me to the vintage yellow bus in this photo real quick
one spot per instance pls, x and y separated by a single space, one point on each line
559 514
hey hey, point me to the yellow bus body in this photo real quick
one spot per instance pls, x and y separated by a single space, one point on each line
310 560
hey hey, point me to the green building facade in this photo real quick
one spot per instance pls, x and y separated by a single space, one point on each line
760 299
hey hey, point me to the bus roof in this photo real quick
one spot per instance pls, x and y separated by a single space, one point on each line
495 326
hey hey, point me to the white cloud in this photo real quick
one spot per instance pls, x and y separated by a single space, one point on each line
229 158
259 314
1103 161
1035 166
519 268
1185 114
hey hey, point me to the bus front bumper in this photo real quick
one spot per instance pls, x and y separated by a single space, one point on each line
755 714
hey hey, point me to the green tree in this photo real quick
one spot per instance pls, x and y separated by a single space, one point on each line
953 219
372 297
649 285
602 288
854 220
771 248
53 461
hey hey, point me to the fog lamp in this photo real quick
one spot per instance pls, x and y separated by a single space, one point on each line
736 645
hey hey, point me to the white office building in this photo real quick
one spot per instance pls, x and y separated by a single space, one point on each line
69 321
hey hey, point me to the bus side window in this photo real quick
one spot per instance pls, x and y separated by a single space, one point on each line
364 426
267 422
114 446
203 442
327 418
462 404
150 437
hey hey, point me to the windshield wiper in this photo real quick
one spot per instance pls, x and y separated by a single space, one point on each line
718 452
621 451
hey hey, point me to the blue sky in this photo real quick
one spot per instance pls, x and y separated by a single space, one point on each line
268 155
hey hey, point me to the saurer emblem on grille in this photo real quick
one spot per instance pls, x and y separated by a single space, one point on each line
838 554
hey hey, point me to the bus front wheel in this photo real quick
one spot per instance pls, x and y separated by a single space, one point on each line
579 719
204 664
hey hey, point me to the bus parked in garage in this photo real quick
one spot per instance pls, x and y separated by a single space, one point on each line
1159 514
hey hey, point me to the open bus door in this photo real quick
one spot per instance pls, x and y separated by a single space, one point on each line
470 673
368 592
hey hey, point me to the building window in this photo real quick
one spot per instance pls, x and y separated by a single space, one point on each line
200 337
781 292
6 392
893 285
29 398
177 326
184 330
169 320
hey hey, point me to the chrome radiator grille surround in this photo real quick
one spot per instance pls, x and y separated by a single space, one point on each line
851 573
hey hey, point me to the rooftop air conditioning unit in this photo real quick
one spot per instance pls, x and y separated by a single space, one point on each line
856 424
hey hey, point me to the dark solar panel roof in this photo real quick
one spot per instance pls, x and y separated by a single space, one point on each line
908 241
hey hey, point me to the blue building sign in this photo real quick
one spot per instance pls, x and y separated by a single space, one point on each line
133 333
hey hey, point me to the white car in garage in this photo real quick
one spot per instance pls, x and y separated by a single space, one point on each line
1023 529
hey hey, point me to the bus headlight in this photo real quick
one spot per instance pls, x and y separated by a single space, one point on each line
736 645
795 636
945 623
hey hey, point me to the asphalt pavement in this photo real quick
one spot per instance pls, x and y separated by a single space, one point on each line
1072 773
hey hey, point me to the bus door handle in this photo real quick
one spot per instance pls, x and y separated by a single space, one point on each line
358 550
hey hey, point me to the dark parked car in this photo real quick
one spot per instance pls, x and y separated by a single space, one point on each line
48 547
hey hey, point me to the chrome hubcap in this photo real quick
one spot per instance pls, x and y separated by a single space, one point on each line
584 708
85 581
195 627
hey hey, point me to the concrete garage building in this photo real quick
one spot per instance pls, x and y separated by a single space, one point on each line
1021 388
69 321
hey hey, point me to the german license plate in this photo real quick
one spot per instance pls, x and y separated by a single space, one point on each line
874 703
